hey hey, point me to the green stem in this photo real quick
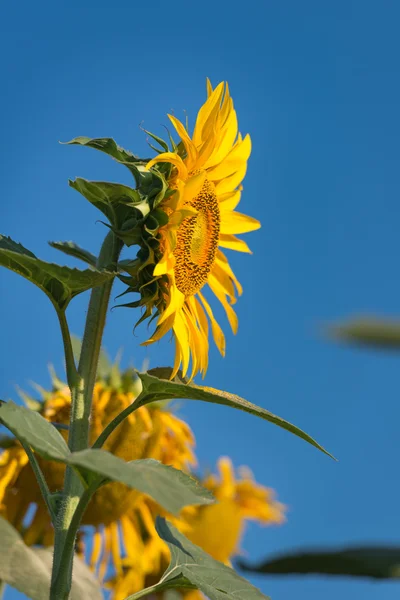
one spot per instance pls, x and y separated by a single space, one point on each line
40 479
68 549
81 383
117 421
72 373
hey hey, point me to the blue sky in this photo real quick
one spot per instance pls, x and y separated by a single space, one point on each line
316 85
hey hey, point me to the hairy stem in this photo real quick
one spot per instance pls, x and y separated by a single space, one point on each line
81 383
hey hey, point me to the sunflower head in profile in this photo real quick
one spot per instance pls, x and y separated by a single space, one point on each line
194 221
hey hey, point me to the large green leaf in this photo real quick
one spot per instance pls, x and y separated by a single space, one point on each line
377 562
163 389
76 251
190 566
171 488
60 284
372 331
29 569
33 429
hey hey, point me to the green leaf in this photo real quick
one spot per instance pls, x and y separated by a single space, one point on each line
30 427
29 569
377 562
108 146
375 332
162 389
191 564
76 251
119 203
170 488
60 284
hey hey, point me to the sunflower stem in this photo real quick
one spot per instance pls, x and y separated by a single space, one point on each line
81 382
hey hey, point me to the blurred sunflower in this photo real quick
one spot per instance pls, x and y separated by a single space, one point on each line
125 550
205 189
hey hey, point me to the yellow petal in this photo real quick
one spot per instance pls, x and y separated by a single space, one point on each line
233 161
225 142
229 200
176 301
160 331
182 338
233 243
229 184
207 114
209 87
174 159
217 332
219 291
224 280
223 262
193 186
187 142
235 222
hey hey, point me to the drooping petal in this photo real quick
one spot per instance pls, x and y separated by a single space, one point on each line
219 291
182 340
217 332
223 262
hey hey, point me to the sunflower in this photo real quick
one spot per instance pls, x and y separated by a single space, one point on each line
205 188
149 432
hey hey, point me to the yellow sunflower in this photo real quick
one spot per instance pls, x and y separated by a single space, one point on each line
208 168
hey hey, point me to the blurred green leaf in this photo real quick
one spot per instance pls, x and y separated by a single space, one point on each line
60 284
377 562
29 569
169 487
163 389
369 331
76 251
30 427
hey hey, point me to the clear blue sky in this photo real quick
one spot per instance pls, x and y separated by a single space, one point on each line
317 86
